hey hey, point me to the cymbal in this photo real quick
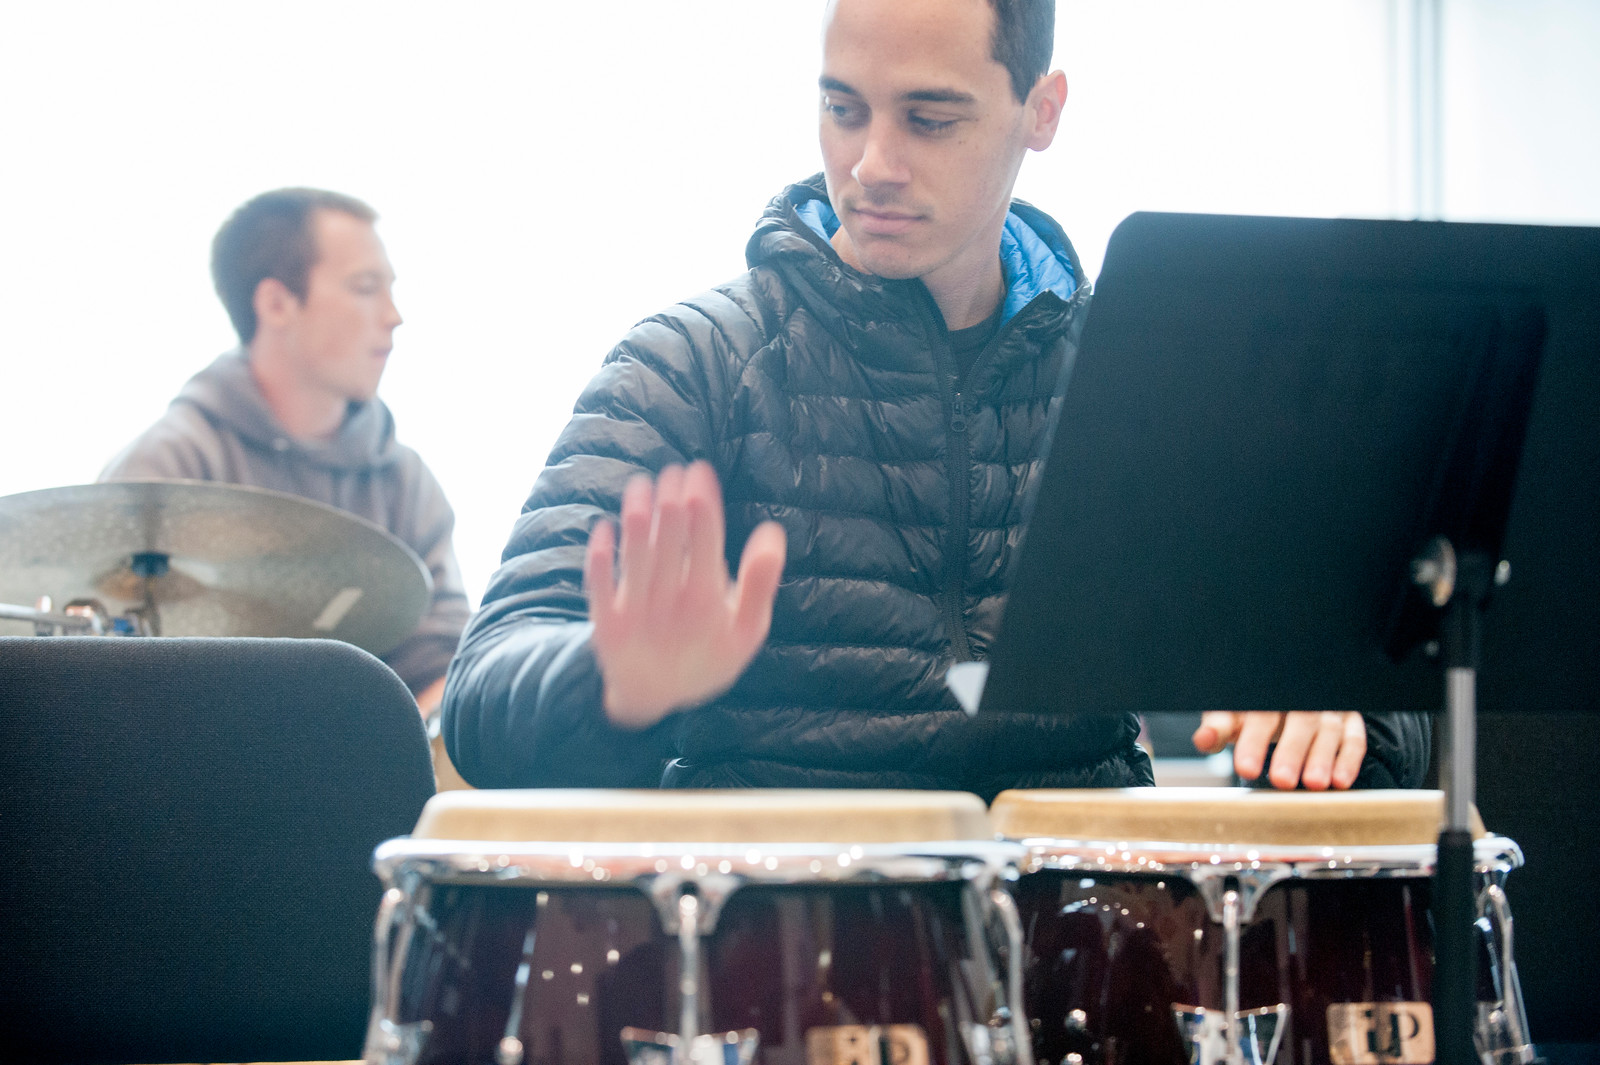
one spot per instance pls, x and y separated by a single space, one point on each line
215 559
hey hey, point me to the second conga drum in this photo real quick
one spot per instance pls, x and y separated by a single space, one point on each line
788 928
1218 925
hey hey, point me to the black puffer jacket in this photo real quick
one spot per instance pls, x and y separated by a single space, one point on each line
826 400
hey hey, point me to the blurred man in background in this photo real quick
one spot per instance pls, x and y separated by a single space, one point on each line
308 287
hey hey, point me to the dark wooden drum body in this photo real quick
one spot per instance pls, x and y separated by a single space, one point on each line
690 950
785 961
1107 956
1144 943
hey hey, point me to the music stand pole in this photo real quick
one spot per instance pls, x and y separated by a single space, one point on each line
1454 898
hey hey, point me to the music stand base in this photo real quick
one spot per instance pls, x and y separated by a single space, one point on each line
1455 960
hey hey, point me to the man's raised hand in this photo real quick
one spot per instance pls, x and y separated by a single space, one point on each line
671 630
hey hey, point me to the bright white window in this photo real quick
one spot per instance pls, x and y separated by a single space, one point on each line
549 174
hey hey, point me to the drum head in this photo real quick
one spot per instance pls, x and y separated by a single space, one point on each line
1224 816
555 815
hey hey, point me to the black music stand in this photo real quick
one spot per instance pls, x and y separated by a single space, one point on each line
1274 429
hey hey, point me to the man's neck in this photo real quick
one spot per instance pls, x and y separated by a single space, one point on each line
964 298
967 301
306 413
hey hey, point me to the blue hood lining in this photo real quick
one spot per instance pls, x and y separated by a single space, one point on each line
1033 265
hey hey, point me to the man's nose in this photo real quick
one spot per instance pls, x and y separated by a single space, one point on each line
882 161
391 313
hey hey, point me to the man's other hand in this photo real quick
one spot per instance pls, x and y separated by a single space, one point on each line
1317 749
671 630
428 699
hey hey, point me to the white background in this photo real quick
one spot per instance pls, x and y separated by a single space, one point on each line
547 175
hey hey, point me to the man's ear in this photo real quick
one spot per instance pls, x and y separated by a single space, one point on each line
1044 106
274 304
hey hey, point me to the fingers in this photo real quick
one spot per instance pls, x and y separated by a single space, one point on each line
669 557
668 543
635 560
1326 740
1217 729
671 537
671 630
1316 749
1256 732
1352 751
1300 731
598 579
1319 750
707 535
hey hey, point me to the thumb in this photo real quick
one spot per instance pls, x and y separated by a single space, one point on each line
1217 729
760 570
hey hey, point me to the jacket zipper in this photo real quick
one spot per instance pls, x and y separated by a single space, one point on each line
958 470
959 464
958 474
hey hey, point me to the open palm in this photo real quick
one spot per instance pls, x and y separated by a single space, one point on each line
671 629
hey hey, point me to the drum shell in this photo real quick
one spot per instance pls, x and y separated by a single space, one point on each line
1126 945
1321 945
601 963
1120 949
791 953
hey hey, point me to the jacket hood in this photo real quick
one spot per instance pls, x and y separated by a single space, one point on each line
227 394
1042 273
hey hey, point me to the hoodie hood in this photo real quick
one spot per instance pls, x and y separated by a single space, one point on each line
891 323
1035 261
227 394
1034 252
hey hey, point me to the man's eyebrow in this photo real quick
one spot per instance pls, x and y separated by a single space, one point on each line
920 96
940 96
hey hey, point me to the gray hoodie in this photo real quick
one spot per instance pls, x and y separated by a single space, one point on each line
219 428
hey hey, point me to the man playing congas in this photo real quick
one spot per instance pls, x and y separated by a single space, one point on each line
859 423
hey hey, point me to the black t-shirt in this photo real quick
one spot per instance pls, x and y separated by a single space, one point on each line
966 344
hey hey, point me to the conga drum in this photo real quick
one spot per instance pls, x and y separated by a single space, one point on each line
1237 925
730 927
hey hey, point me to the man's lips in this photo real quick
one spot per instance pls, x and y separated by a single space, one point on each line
880 222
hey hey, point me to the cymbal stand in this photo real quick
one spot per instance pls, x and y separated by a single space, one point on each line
47 622
149 566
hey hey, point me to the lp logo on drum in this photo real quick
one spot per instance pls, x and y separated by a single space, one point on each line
1380 1033
860 1044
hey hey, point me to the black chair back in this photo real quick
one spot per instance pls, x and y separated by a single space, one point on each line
186 830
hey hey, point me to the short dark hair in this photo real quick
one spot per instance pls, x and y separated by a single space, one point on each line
1024 36
271 236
